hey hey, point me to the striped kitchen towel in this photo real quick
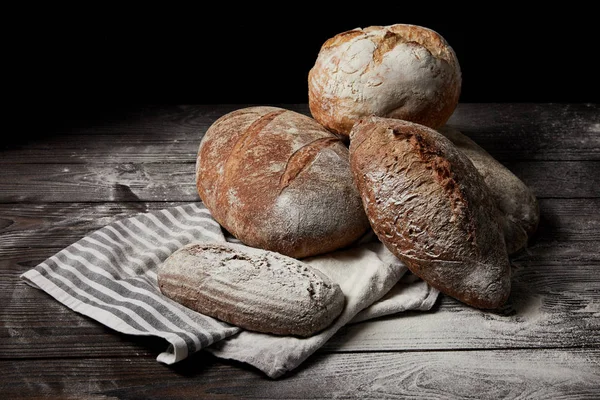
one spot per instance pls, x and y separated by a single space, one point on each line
110 276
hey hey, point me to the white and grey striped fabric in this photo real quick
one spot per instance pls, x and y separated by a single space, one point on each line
110 276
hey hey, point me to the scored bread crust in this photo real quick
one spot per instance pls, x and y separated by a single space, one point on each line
428 204
399 71
278 180
251 288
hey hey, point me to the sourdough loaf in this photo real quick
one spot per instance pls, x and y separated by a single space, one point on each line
278 180
513 198
251 288
428 204
400 71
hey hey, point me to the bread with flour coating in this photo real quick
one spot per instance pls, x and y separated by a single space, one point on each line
279 181
399 71
428 204
514 199
251 288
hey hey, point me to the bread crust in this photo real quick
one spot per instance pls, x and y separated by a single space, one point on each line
400 71
428 204
251 288
278 180
514 199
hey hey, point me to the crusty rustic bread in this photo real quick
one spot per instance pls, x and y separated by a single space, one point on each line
251 288
515 200
278 180
428 204
399 71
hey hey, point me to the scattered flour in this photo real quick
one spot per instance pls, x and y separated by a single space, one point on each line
592 307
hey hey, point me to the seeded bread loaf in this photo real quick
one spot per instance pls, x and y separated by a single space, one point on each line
428 204
513 198
399 71
251 288
279 181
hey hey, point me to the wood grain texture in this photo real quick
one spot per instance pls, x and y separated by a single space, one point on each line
549 306
98 182
134 134
61 184
33 325
532 131
127 182
517 374
173 134
61 224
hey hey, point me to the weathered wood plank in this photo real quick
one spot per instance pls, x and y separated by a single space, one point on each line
550 306
172 134
559 179
98 183
566 237
60 224
569 219
532 131
176 182
532 318
98 148
544 344
135 134
32 324
518 374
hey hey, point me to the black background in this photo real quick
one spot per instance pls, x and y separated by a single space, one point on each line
103 58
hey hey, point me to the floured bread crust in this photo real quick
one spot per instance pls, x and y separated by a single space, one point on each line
431 208
251 288
514 199
398 71
279 181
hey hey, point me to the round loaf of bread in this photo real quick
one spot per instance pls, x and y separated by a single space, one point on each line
431 208
279 181
399 71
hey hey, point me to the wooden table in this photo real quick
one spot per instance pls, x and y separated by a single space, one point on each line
56 187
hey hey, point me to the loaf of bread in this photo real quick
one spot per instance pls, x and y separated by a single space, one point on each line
278 180
251 288
513 198
399 71
428 204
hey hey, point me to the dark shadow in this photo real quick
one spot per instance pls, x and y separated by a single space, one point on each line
123 193
202 361
90 118
5 223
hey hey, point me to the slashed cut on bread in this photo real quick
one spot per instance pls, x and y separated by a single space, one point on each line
399 71
279 181
428 204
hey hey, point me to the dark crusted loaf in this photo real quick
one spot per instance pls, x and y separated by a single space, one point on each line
278 180
251 288
428 204
513 198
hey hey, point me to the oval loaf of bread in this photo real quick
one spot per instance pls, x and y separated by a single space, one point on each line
279 181
251 288
399 71
513 198
428 204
